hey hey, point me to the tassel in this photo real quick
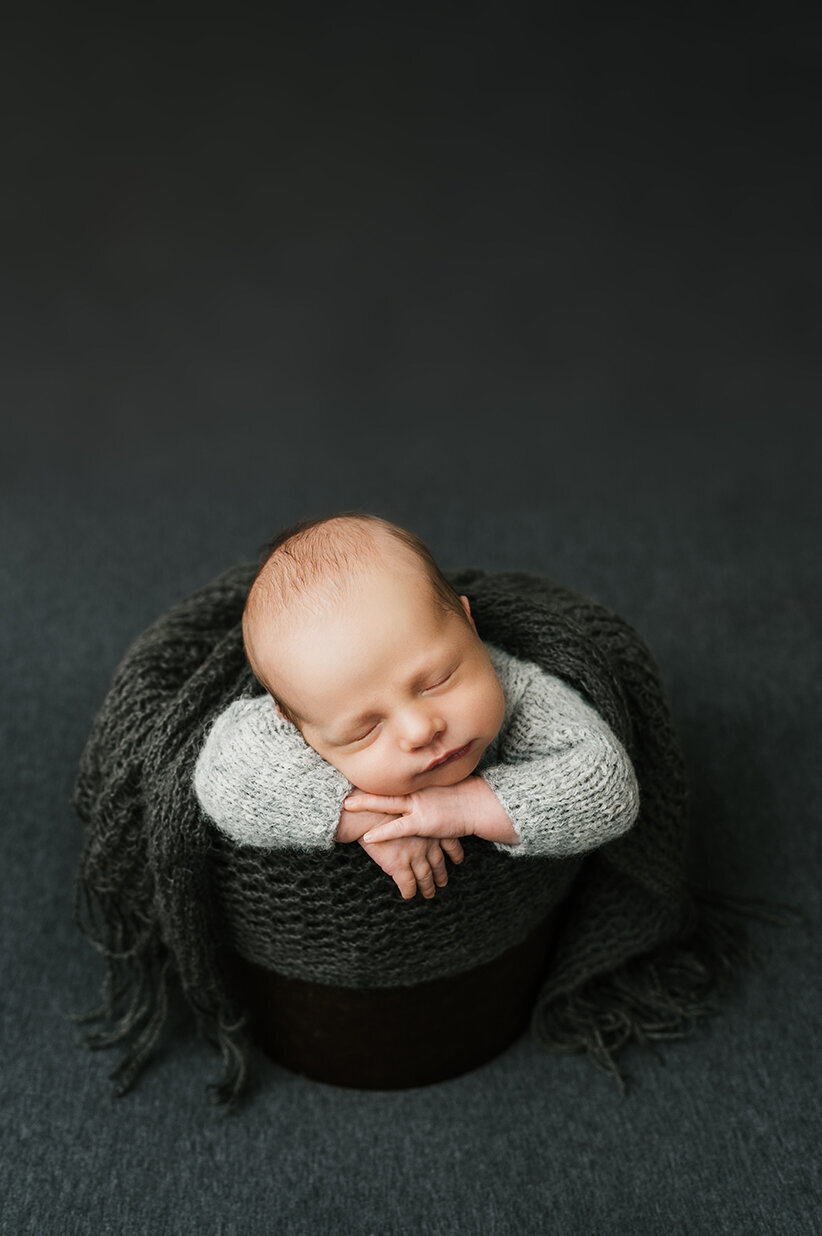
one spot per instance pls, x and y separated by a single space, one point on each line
229 1036
663 995
231 1088
134 1060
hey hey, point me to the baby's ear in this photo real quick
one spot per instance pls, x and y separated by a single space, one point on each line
466 605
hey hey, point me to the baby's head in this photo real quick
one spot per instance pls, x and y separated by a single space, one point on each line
365 646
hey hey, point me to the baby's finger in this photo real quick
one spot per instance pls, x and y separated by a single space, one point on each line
389 804
405 882
437 862
425 879
453 849
402 826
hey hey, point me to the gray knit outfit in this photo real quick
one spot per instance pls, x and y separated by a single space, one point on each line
563 777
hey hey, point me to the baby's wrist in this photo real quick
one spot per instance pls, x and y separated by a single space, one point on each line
489 819
352 825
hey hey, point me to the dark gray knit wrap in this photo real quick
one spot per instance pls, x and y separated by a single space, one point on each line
165 897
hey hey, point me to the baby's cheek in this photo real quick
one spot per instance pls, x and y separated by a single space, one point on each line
350 764
375 775
353 769
500 710
489 705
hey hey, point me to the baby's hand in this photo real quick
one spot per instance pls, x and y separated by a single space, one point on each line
434 811
410 861
414 862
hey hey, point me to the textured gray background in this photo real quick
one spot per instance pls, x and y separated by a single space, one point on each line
547 293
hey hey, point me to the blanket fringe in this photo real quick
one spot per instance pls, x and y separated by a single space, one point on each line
234 1051
139 974
665 994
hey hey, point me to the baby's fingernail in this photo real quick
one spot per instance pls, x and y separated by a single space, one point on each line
367 836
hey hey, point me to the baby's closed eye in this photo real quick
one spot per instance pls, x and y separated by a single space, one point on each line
349 742
421 686
440 682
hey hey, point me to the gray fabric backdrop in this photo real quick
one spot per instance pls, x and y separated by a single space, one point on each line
547 293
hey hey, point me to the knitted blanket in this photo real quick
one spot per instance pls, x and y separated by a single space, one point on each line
640 953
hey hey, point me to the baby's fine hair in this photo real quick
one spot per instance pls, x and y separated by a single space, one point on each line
312 562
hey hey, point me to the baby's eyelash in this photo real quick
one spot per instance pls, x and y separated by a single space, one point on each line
441 681
348 742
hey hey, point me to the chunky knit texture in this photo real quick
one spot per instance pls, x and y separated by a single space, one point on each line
563 777
164 897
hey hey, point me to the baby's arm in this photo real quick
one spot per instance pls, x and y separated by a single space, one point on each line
565 781
263 785
564 784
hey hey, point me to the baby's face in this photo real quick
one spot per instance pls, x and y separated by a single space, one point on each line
387 685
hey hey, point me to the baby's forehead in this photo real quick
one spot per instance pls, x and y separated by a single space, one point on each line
330 591
380 592
314 636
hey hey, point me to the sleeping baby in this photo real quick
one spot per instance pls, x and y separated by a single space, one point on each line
389 722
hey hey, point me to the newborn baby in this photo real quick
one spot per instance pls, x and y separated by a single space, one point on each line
389 722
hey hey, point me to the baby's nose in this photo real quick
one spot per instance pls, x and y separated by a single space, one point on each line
420 729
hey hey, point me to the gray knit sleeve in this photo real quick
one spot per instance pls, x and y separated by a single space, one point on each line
259 781
563 777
